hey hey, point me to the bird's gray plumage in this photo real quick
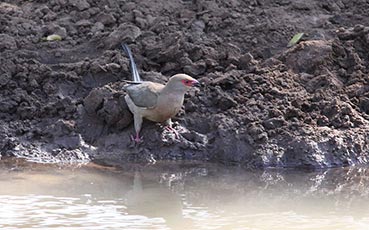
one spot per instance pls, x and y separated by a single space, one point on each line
145 94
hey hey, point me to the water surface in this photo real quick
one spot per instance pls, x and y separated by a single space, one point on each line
180 196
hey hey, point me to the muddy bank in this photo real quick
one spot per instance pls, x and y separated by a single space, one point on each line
261 104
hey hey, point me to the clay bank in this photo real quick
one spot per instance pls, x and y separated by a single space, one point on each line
261 104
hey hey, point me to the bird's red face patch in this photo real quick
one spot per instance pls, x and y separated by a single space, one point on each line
187 82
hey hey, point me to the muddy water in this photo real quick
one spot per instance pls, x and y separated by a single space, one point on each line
180 196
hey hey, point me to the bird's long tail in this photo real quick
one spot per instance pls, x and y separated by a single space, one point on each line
135 75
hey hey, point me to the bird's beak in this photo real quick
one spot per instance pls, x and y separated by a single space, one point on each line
196 83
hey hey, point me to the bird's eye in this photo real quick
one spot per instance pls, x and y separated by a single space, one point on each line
187 82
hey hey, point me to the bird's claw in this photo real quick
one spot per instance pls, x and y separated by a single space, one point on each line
136 139
171 129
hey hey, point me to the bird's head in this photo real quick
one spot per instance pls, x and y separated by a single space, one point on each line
182 82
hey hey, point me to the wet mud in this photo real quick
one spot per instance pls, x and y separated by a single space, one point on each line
261 104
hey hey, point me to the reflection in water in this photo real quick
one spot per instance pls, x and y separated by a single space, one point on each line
181 196
155 201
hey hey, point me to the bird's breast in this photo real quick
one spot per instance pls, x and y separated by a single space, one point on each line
167 107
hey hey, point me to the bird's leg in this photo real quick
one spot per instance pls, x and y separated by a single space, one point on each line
138 123
169 127
136 138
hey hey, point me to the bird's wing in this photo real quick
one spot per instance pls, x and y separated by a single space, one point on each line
144 94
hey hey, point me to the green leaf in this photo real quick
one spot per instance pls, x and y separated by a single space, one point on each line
295 39
53 37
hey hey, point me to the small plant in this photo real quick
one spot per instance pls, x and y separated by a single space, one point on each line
295 39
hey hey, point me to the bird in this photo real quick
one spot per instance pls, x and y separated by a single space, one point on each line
154 101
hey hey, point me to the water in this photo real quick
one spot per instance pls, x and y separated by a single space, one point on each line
180 196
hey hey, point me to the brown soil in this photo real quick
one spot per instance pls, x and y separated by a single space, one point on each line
261 104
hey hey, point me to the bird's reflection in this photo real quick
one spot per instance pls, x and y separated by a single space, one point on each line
154 200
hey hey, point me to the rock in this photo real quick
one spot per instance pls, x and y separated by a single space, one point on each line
84 23
50 16
246 60
4 79
275 122
80 4
364 104
198 26
196 68
331 6
124 33
85 14
55 29
336 19
226 102
94 99
225 80
300 5
308 56
7 42
103 104
97 27
255 129
93 10
11 9
113 67
169 67
196 53
61 128
106 19
233 53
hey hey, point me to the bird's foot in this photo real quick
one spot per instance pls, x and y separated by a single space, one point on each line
173 130
136 139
